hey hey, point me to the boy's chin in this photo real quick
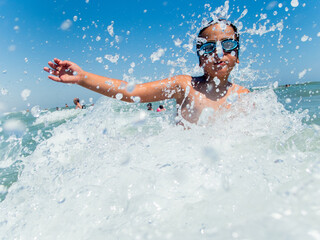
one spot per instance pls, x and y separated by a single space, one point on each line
220 71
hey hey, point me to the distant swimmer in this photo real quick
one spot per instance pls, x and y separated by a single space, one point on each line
287 85
217 47
149 107
76 102
161 108
66 105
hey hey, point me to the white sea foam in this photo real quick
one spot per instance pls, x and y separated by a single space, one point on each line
56 116
121 172
14 126
118 171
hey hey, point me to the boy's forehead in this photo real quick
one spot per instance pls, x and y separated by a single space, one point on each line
217 31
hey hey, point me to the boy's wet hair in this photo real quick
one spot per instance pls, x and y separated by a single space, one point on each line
211 23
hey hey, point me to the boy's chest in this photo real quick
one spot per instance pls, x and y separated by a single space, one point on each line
195 102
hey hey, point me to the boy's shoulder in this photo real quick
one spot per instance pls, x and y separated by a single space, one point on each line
239 89
183 77
181 80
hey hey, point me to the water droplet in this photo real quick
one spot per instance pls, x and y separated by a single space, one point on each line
136 99
219 50
119 96
294 3
35 111
206 116
304 38
275 84
216 81
130 87
25 94
232 98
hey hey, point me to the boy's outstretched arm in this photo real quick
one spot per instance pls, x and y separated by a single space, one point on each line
69 72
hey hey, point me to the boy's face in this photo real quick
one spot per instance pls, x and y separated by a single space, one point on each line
218 63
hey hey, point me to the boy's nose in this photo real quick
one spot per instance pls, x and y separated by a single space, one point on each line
219 50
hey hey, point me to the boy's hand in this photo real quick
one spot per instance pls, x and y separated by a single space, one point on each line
64 71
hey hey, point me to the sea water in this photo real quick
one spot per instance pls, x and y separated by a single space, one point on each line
117 171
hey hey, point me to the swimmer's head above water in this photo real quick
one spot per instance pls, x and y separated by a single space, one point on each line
76 101
149 106
218 48
225 22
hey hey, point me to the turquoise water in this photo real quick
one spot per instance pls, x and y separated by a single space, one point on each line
302 96
117 171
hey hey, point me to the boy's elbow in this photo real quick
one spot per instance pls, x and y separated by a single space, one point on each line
126 99
129 98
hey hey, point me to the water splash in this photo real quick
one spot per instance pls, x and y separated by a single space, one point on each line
109 168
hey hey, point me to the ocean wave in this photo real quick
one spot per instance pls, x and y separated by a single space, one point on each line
121 172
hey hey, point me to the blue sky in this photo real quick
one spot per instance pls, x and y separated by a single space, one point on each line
152 41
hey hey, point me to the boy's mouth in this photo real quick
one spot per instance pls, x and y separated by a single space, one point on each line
220 63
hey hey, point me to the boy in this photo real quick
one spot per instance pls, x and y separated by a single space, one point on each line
217 48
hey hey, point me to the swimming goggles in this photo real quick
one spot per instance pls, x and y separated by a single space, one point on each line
228 45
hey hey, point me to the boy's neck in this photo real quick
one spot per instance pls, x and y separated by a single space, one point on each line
216 84
213 88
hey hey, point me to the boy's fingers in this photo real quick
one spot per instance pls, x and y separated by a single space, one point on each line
51 64
49 70
65 63
57 79
46 69
57 61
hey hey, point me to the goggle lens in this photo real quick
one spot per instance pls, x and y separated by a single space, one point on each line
227 45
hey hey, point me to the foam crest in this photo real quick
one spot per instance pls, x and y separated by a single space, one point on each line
127 174
56 116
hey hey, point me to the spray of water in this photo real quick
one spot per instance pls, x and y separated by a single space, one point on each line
116 170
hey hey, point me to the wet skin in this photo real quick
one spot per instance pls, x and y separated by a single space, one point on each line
192 94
